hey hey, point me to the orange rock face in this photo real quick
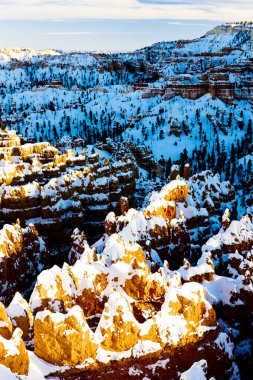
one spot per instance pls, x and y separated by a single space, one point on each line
63 339
53 290
13 353
90 292
117 329
6 327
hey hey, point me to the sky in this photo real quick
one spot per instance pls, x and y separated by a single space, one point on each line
112 25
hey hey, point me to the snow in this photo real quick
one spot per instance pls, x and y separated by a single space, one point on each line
144 347
158 364
197 371
6 374
116 247
6 55
225 344
39 369
134 371
11 345
204 266
105 356
75 311
16 307
237 233
173 327
220 290
116 302
31 190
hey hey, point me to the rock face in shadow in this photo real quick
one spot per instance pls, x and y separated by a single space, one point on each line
231 251
23 256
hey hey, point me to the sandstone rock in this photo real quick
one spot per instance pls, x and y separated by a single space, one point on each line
117 330
9 138
209 191
23 254
165 209
6 327
53 290
174 172
110 223
175 191
11 242
226 219
124 204
63 339
184 315
203 271
89 294
20 314
78 246
13 353
174 127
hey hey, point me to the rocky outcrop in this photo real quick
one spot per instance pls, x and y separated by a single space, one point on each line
143 155
174 127
6 328
156 227
142 300
135 295
229 82
207 200
202 271
64 339
210 192
13 353
231 248
117 330
53 290
53 190
231 290
181 319
22 256
21 315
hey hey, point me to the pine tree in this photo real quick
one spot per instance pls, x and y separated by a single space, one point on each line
161 134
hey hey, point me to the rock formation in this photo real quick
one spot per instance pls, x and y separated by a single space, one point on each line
13 353
63 339
23 255
51 189
112 303
21 315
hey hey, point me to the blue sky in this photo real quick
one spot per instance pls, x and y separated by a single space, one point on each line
111 25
